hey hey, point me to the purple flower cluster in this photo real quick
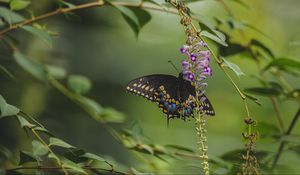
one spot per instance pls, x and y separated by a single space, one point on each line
197 67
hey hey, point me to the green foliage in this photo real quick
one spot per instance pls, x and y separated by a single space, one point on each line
58 142
40 33
18 4
9 16
136 18
56 72
38 148
285 64
262 91
47 150
5 72
235 68
79 84
217 37
31 66
7 109
27 157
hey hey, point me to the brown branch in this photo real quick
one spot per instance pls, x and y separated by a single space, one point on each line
84 6
53 13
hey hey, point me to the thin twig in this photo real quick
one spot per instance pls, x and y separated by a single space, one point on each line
278 113
288 132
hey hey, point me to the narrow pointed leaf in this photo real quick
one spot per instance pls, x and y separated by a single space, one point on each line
42 34
7 109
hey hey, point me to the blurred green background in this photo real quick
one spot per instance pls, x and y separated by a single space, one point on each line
101 46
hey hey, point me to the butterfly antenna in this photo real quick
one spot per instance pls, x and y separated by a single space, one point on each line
173 66
168 121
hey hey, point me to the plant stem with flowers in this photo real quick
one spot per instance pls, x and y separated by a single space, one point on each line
195 70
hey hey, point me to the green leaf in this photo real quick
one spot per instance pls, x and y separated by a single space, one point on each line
24 123
44 130
93 157
241 2
58 142
156 2
136 18
136 172
263 91
9 16
267 129
26 157
232 49
296 149
235 155
181 148
276 86
31 66
18 4
4 71
40 33
73 166
253 98
144 148
79 84
38 148
290 138
56 72
66 3
262 47
91 105
235 68
213 37
7 109
250 26
112 116
286 64
75 155
206 26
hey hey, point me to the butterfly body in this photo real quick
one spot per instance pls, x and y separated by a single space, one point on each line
174 95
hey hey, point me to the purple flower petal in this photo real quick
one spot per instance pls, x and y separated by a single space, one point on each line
193 57
184 49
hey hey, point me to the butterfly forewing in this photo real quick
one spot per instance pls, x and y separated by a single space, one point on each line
175 96
159 88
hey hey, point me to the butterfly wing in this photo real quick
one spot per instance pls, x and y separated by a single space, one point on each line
159 88
187 93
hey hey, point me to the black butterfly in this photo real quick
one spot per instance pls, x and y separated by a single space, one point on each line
173 95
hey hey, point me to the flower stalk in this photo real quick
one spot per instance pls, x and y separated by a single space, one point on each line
200 127
250 165
195 69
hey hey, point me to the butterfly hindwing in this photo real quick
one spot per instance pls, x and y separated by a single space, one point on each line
187 93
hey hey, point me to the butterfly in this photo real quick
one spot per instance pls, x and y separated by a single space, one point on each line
174 95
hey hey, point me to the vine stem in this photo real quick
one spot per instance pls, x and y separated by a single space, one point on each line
283 143
49 149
